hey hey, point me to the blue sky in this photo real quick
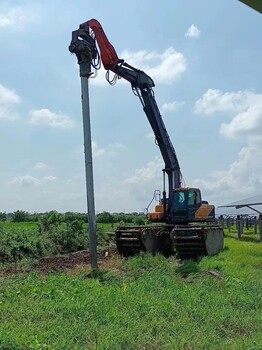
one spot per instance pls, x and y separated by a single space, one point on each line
205 59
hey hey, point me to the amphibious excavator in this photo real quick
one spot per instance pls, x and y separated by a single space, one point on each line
182 222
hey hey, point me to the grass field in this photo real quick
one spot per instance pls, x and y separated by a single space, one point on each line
147 302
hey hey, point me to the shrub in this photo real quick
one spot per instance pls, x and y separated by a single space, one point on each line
67 239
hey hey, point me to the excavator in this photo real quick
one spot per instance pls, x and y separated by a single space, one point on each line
182 222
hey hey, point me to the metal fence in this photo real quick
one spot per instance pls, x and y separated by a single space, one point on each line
240 222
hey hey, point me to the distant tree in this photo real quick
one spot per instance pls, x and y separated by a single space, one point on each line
128 218
70 216
82 216
120 217
33 217
105 218
139 220
2 216
20 216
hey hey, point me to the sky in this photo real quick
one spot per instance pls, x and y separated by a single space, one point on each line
205 59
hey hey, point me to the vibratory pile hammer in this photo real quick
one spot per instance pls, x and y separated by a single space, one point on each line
182 222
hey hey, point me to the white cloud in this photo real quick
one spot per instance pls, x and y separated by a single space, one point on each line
215 100
192 32
171 106
15 17
7 96
141 185
47 193
172 65
246 106
111 149
165 67
150 136
28 180
55 120
243 177
96 150
247 123
115 148
40 166
48 178
8 99
152 171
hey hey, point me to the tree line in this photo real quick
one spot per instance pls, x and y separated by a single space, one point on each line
69 217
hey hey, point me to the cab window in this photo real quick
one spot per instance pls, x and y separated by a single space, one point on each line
193 198
180 199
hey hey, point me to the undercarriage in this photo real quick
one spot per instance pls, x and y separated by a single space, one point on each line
184 241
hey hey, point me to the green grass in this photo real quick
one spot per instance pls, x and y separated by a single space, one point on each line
147 302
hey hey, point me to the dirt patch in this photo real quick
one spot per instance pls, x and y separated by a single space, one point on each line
61 262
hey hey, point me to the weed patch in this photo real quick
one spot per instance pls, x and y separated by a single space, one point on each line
20 242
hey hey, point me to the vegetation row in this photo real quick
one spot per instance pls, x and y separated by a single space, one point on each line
22 236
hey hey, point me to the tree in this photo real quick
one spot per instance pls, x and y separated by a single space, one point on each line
2 216
70 216
20 216
139 220
120 217
105 218
49 220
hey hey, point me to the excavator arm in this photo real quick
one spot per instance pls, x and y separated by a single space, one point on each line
142 85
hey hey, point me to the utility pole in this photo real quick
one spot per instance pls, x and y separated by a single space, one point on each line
83 46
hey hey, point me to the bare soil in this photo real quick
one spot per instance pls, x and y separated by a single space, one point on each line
61 263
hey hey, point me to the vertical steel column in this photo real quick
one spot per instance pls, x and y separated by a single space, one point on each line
238 226
83 46
89 171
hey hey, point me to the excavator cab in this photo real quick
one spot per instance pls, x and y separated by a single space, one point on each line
186 201
187 206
